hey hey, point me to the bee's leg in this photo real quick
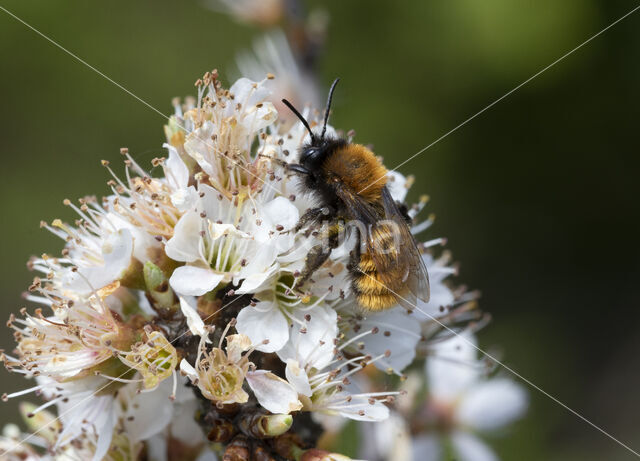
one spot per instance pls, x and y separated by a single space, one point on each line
316 258
320 253
310 216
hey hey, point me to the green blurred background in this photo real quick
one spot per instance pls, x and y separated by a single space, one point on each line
538 196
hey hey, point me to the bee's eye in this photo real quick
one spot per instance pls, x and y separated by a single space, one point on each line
310 154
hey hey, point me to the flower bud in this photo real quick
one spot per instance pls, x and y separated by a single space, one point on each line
158 287
265 426
222 431
321 455
237 450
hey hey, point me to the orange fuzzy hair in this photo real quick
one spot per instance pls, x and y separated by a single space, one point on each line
358 168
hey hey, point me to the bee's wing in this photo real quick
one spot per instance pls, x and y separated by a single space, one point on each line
358 208
379 224
407 253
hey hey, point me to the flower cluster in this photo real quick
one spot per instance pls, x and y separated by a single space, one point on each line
176 323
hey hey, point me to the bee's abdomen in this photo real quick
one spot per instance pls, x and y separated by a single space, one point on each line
372 293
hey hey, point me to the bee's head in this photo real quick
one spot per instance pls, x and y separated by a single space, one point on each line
313 153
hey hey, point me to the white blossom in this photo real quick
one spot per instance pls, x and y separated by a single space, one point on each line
462 400
273 55
184 293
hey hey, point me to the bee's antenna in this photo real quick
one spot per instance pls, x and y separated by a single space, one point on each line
328 108
302 119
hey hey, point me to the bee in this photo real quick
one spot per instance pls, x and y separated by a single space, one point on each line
349 184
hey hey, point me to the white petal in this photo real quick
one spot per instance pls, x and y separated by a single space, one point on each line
248 91
441 294
397 185
184 245
151 412
398 333
213 204
184 426
207 455
143 242
299 251
198 145
188 370
386 440
176 171
190 311
117 251
157 448
492 404
83 411
264 321
261 266
256 281
315 347
184 392
372 412
218 230
194 281
470 448
452 367
332 280
280 211
273 393
257 118
256 113
184 199
105 435
236 345
426 448
298 378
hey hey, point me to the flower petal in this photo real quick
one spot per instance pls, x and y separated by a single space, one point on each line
470 448
280 211
189 310
117 251
236 345
398 333
105 435
184 425
264 322
260 267
397 185
184 245
198 145
362 410
273 393
298 378
426 448
386 440
313 346
150 412
441 294
194 281
453 367
492 404
187 369
184 199
175 170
